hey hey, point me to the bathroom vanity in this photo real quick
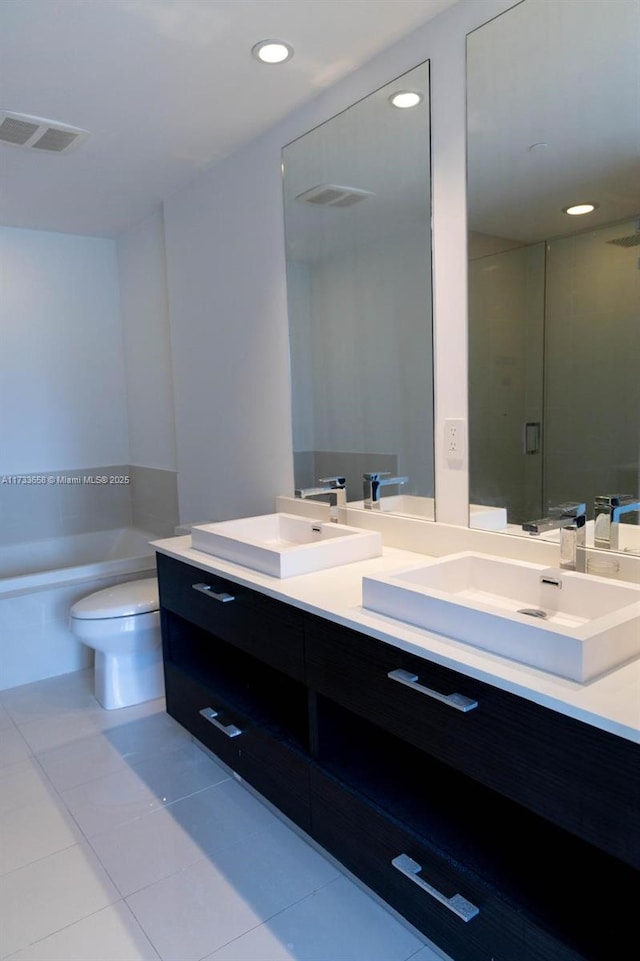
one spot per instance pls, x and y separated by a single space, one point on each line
494 807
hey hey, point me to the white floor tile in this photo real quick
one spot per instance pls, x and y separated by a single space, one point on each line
142 736
123 715
153 847
81 761
47 733
55 695
13 747
220 897
35 831
129 793
5 718
23 783
339 922
50 894
112 934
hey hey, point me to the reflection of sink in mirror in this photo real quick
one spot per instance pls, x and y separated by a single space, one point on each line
410 505
485 518
628 536
571 624
284 545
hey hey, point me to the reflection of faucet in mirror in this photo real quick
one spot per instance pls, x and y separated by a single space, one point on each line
570 520
608 509
372 483
333 490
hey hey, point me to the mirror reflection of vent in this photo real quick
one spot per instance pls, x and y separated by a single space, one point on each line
21 130
632 240
333 195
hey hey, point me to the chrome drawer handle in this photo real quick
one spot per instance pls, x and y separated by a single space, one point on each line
211 716
209 591
462 908
459 701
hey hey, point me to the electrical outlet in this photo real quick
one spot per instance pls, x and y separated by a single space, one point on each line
455 442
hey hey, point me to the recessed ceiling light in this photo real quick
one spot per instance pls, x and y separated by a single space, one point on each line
272 51
405 98
576 209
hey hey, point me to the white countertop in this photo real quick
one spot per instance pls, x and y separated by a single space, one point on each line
611 703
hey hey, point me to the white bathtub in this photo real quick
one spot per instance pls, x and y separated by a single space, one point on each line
39 582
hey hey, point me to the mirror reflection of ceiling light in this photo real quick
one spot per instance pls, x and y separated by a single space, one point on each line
577 209
405 98
272 51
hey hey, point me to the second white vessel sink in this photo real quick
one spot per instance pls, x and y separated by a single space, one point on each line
574 625
284 545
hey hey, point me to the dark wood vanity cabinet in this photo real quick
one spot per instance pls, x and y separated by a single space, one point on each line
502 830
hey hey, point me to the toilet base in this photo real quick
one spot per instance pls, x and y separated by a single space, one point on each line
121 680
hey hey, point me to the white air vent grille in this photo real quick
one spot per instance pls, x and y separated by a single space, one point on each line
333 195
20 130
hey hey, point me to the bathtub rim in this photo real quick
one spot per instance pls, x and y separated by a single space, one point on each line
37 581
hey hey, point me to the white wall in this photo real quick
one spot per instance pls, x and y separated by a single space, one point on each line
145 323
62 388
373 385
227 290
226 274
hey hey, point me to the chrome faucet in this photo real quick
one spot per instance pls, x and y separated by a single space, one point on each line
333 490
372 483
570 520
608 509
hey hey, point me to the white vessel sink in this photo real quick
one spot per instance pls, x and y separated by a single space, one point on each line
578 626
284 545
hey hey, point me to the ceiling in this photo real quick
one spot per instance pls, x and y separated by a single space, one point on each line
553 118
165 88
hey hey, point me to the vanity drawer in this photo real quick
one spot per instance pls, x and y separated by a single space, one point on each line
274 767
368 843
558 767
259 625
186 698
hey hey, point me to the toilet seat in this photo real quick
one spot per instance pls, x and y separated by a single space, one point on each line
124 600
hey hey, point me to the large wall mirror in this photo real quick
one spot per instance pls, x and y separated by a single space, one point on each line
357 207
553 95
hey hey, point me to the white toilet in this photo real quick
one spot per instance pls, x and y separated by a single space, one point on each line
122 625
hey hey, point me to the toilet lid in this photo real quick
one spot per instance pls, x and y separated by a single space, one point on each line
134 597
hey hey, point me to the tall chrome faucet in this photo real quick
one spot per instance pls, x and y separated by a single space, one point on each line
570 520
332 489
371 484
608 509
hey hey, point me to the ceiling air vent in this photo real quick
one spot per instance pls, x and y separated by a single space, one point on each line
332 195
20 130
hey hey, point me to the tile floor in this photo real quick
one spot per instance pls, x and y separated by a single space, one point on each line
120 840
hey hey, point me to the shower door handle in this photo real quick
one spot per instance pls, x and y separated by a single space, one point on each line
531 437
